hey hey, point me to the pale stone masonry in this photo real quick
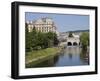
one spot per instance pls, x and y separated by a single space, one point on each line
43 25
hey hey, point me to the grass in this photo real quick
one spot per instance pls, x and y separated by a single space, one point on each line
40 54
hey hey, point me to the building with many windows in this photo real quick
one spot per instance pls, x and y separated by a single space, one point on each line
43 25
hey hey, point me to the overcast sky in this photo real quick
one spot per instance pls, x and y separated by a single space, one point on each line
64 22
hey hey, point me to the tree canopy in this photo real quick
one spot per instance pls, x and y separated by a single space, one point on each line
84 39
70 34
36 40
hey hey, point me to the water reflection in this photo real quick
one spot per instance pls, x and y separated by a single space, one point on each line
84 56
70 56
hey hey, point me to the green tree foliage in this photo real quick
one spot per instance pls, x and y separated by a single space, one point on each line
50 39
70 34
56 41
39 40
34 38
28 39
84 39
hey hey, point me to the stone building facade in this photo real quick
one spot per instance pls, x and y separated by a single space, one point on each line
43 25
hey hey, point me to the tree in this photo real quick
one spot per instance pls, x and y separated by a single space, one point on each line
50 39
34 38
84 39
39 40
70 34
56 41
28 39
50 35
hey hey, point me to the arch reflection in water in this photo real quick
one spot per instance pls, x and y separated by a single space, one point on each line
70 56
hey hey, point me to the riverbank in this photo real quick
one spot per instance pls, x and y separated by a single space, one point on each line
34 56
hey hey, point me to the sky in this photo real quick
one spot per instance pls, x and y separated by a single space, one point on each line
63 22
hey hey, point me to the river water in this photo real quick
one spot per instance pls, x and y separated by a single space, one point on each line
70 56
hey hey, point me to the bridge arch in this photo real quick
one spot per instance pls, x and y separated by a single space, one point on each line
75 43
79 43
69 44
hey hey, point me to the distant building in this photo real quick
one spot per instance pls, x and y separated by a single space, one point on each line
75 40
42 25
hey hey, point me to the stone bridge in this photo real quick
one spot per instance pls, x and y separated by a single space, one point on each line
71 41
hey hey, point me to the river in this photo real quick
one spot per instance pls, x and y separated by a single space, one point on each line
70 56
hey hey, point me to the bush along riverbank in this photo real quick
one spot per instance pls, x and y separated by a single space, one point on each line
35 57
